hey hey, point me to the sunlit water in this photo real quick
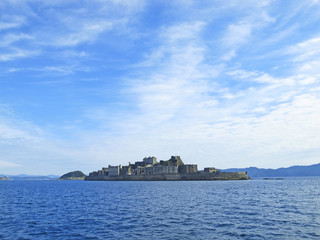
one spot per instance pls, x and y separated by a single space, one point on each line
254 209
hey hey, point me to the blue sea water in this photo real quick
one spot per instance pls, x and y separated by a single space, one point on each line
254 209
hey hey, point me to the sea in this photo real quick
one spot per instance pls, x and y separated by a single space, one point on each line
286 208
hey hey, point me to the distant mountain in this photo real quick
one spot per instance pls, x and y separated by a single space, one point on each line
76 175
294 171
30 177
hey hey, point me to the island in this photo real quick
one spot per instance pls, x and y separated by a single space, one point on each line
4 178
75 175
149 169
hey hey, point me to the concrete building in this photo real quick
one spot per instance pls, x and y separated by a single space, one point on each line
93 174
125 170
210 169
150 160
140 164
160 170
103 172
114 170
173 161
139 170
166 170
188 168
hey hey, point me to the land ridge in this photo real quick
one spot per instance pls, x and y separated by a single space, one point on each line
293 171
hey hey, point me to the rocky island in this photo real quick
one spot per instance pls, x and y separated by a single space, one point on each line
76 175
4 178
174 169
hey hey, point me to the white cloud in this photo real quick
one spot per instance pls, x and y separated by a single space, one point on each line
9 39
28 148
306 50
237 34
242 74
59 70
11 22
5 164
86 34
306 57
62 69
67 28
12 130
88 23
16 53
177 78
242 32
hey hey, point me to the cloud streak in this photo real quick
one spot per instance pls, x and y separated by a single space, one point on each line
16 53
11 22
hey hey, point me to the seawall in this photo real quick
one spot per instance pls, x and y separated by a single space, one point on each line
200 176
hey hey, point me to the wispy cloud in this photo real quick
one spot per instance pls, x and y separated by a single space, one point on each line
53 71
306 56
9 39
24 144
241 33
11 128
223 84
83 25
86 34
4 165
9 22
16 53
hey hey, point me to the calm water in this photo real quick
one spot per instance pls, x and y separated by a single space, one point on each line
255 209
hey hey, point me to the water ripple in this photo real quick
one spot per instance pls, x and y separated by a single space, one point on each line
256 209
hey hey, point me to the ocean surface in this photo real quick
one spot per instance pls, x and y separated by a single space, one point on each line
254 209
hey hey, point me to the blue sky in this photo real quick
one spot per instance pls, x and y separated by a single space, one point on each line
84 84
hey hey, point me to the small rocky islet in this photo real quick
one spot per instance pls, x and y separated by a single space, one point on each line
4 178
